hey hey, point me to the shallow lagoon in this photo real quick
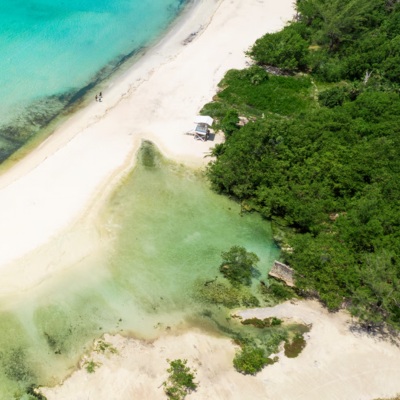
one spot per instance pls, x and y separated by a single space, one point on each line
167 231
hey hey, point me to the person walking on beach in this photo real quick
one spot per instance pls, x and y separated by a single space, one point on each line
100 96
97 99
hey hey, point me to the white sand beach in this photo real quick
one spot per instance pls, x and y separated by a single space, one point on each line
336 364
61 185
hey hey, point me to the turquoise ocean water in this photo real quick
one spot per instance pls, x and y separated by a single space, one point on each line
53 51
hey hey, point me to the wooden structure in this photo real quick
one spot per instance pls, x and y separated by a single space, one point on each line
201 130
283 273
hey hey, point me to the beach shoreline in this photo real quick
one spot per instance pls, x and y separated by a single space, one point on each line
62 185
337 363
67 177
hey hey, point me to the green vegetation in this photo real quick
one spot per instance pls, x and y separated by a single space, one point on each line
285 49
91 366
34 393
224 294
253 92
180 381
238 265
102 346
250 360
276 292
262 323
295 345
254 355
319 155
256 347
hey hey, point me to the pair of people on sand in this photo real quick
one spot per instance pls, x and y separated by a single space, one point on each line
99 97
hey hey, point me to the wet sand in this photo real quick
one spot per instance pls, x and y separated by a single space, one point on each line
336 364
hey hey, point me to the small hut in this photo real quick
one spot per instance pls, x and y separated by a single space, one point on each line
202 128
283 273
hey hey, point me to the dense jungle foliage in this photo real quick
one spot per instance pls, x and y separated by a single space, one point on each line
317 150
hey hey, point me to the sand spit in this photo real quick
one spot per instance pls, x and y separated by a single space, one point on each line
337 364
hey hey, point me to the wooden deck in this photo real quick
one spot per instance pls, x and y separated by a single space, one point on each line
283 273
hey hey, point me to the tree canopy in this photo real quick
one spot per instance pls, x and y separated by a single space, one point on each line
320 153
285 49
238 265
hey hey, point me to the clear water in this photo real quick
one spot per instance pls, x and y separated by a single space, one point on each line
167 232
53 51
167 229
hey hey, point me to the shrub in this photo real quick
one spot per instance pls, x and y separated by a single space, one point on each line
33 392
278 291
285 49
180 381
229 123
256 74
91 366
250 360
249 300
332 97
262 323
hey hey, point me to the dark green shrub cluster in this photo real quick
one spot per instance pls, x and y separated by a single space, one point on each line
181 380
332 97
285 49
327 170
250 360
262 323
277 291
229 123
256 347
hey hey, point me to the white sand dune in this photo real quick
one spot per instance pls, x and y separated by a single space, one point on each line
64 181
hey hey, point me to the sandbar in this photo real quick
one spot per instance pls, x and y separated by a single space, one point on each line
339 362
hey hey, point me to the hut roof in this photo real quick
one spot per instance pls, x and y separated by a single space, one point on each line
203 119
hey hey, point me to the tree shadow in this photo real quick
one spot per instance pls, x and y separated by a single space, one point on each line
376 331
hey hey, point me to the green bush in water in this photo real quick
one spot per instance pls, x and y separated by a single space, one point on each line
238 265
223 294
262 323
